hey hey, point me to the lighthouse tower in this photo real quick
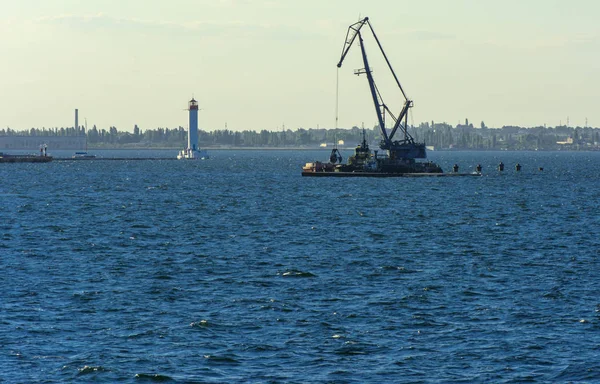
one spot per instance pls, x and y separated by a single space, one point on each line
193 127
192 151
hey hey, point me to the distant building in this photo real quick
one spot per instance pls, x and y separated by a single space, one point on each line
566 142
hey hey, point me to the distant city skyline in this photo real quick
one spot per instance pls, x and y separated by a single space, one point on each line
263 64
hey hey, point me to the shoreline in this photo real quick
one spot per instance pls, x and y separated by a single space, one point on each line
327 149
351 148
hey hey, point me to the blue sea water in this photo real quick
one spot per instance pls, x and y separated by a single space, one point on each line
237 269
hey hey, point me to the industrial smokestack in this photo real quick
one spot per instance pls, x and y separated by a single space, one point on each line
76 120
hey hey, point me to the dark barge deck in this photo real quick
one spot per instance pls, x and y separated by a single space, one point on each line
383 174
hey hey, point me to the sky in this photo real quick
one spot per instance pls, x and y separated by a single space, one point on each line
267 64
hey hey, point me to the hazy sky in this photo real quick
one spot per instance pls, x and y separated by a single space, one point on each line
260 64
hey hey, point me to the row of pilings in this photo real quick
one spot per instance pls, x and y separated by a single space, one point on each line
500 168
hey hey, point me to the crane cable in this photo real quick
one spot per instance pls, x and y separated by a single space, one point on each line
337 97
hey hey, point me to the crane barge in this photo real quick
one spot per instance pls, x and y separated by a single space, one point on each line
400 155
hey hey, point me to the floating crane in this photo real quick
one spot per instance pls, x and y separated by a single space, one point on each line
405 148
401 154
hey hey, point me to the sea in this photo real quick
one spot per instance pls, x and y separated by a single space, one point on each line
236 269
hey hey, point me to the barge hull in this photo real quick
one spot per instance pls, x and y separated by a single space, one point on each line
382 174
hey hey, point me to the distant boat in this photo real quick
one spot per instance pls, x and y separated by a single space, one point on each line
6 158
42 158
83 156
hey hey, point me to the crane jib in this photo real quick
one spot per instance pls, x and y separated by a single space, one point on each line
399 148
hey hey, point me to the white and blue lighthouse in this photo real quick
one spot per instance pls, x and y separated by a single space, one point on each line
192 151
193 125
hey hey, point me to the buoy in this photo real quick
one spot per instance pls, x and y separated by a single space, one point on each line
541 168
518 167
478 168
501 166
455 168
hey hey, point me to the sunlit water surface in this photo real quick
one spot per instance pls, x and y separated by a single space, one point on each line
237 269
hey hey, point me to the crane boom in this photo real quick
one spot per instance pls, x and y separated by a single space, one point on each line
374 94
405 148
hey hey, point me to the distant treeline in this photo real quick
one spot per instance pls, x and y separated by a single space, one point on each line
438 135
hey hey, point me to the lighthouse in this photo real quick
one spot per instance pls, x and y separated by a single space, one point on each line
193 125
192 151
